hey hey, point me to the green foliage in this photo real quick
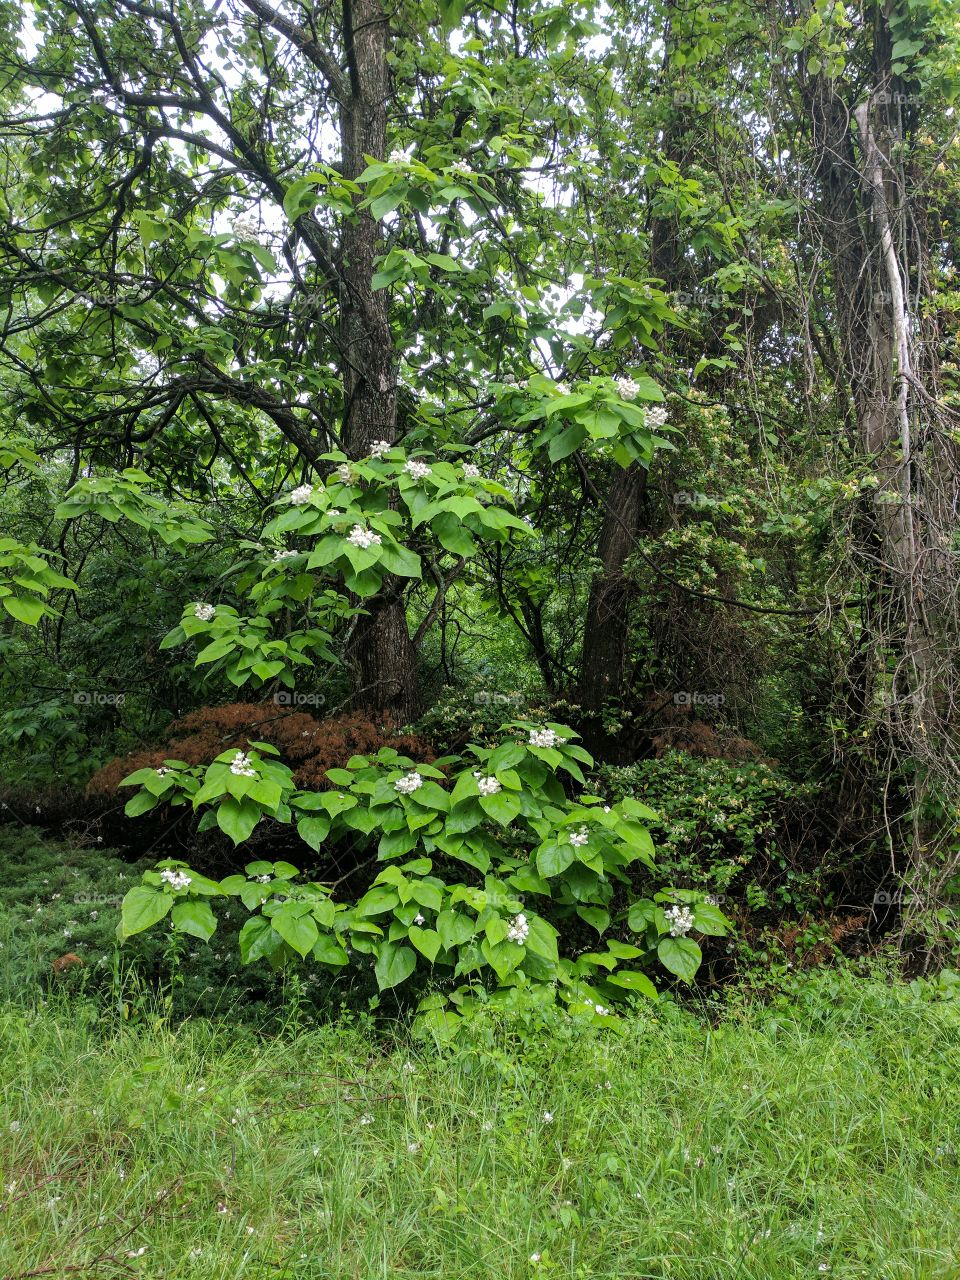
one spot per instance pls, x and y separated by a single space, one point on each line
721 825
464 839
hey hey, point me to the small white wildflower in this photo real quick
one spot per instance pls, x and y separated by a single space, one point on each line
379 448
681 921
366 1119
285 555
413 1146
544 738
627 389
602 1011
162 771
245 227
579 837
344 474
263 879
409 783
137 1253
548 1117
519 928
365 538
488 786
408 1068
205 612
470 471
174 878
301 494
419 470
655 417
534 1258
418 919
68 933
241 767
14 1126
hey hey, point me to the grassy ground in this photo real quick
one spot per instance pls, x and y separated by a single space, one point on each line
818 1136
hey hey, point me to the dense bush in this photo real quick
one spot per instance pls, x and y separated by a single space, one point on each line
724 827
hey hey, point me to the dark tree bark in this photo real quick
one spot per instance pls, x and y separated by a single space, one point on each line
383 653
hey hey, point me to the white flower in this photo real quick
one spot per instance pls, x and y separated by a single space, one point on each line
285 555
563 388
602 1011
681 921
245 228
361 537
344 474
175 879
419 470
418 919
627 389
488 786
544 738
655 417
518 930
14 1126
408 1068
204 612
579 837
548 1117
263 879
470 471
334 512
534 1258
301 494
413 1146
162 771
240 766
367 1119
379 448
409 783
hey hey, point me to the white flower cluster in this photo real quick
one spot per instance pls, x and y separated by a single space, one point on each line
681 921
241 766
301 494
419 470
627 389
544 738
655 417
285 555
175 879
409 783
518 929
488 786
361 537
246 228
470 471
379 448
600 1009
580 837
344 474
162 771
204 612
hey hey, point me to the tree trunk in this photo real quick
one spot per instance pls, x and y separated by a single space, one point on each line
383 653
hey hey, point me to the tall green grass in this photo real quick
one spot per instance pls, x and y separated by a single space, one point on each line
815 1137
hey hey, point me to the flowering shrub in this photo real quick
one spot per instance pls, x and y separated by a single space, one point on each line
488 862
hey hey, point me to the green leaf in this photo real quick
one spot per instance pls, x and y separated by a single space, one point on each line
395 964
554 858
25 609
710 920
631 980
427 941
142 907
196 918
295 928
680 955
237 818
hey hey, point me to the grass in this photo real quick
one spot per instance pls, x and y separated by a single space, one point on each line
815 1136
